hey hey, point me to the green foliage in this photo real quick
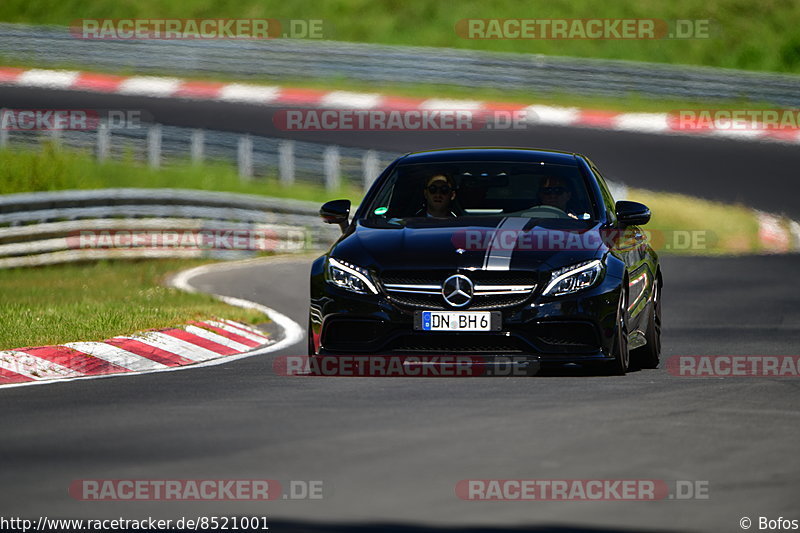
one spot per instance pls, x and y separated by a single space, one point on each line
98 300
746 34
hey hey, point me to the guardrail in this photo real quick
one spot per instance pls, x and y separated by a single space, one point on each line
298 59
255 156
55 227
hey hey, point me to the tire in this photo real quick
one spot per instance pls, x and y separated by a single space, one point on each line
649 355
622 356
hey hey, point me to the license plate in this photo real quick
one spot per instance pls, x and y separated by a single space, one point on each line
457 321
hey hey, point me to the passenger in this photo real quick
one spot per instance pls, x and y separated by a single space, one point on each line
553 191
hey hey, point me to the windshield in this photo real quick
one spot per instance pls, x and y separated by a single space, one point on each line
483 189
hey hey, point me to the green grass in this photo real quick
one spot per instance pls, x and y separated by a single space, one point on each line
54 169
95 301
746 34
686 225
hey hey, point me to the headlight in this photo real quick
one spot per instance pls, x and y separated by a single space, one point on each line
351 277
573 278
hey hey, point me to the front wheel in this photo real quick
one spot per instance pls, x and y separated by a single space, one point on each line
622 357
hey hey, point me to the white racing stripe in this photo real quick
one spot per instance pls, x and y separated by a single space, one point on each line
497 257
177 346
347 99
737 134
546 114
238 325
150 86
456 105
645 122
237 331
52 79
115 355
216 337
258 94
34 367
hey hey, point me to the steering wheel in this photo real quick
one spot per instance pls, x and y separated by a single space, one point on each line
543 211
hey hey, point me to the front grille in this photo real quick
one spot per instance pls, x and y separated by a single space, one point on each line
421 289
489 277
426 301
435 302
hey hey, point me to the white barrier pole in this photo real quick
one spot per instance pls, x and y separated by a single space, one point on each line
154 146
198 142
332 171
103 141
370 167
245 157
286 162
3 130
55 136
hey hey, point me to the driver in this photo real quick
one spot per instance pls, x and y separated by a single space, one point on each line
439 192
553 191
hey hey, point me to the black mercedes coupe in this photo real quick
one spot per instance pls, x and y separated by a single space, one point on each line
490 252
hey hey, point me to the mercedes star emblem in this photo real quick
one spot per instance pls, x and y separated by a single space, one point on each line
457 290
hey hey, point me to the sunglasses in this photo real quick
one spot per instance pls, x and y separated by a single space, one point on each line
553 190
442 189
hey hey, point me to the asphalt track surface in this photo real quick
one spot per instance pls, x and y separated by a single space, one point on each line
390 450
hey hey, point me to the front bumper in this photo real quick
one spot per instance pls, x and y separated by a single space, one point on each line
568 329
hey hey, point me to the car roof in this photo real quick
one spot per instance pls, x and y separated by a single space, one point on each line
522 155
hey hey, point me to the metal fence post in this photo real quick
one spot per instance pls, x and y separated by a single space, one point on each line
3 130
332 170
370 167
103 141
198 142
245 157
286 162
154 146
55 136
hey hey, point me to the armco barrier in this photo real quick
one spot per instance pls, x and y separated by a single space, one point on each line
298 59
45 227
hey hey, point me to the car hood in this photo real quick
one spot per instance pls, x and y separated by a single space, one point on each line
493 243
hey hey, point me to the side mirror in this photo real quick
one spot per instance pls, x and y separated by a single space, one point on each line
632 213
336 212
